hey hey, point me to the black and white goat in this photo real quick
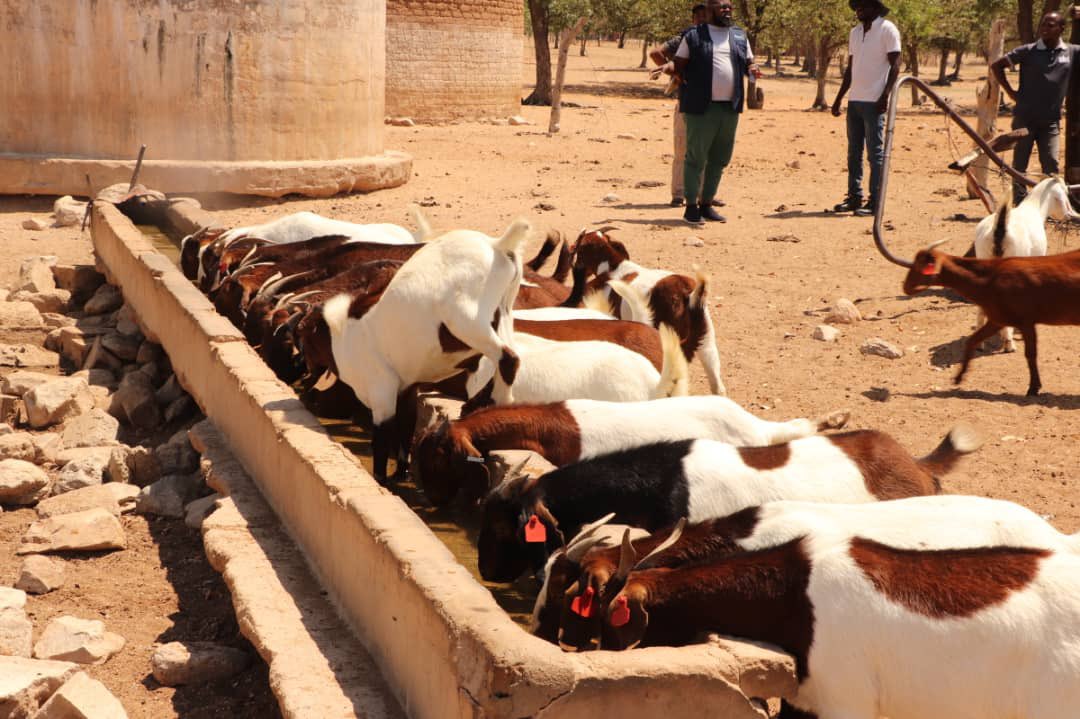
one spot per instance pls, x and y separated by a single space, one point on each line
652 486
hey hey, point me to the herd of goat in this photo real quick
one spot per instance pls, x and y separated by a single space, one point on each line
670 516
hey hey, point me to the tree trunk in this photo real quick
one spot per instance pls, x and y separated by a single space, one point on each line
645 52
956 65
1050 6
943 67
809 58
556 41
1024 22
541 94
988 95
821 60
1072 122
584 40
560 74
913 61
622 39
796 61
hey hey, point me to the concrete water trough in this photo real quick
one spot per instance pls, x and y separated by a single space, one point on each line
443 644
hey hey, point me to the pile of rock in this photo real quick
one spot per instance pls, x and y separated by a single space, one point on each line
64 410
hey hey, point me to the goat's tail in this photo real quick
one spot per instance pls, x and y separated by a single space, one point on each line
423 230
1001 227
697 295
597 300
635 302
515 234
566 260
335 312
675 375
962 439
546 250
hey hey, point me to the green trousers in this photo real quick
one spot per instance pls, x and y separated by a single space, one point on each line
710 139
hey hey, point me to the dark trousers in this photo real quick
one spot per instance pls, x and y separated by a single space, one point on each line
1045 135
865 127
710 141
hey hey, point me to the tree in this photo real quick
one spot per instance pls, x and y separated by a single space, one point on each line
538 16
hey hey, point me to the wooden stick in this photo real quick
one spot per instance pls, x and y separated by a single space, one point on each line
138 166
566 38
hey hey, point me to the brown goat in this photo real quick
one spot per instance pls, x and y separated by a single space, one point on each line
1011 291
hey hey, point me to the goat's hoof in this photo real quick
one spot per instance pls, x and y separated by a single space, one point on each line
1033 392
836 420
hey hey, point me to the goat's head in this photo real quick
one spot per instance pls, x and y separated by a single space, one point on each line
583 617
191 248
1060 205
625 618
595 251
517 533
445 461
925 269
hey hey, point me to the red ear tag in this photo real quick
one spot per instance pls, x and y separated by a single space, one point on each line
535 531
928 270
583 605
620 615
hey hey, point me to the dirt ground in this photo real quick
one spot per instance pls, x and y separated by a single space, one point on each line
775 267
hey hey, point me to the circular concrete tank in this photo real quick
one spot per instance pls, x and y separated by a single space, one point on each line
453 59
251 96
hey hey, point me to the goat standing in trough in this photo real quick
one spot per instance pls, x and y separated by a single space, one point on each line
1021 231
452 299
673 299
451 455
1011 291
911 611
652 486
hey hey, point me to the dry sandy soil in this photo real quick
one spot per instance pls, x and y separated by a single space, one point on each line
766 297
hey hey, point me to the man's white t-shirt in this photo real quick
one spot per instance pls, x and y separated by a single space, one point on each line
869 53
723 74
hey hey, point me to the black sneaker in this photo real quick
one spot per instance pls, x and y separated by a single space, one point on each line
693 215
711 215
850 204
677 201
866 210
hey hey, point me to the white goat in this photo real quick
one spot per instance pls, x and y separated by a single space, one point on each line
553 371
1021 231
450 300
302 226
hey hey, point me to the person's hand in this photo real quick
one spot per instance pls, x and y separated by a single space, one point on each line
755 71
883 105
656 72
836 108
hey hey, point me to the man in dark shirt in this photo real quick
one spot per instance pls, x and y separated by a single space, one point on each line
1044 77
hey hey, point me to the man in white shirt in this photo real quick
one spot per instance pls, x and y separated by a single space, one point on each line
872 67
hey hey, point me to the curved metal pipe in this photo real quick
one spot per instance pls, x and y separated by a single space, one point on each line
890 125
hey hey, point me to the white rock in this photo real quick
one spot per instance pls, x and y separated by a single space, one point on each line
402 122
179 663
124 494
22 482
54 320
80 473
844 312
68 211
135 402
18 445
195 512
517 120
47 446
137 465
20 382
826 333
693 242
40 574
27 355
16 631
33 224
80 500
25 683
35 274
625 136
78 454
82 698
168 496
881 348
97 378
91 530
84 641
610 197
20 315
56 400
96 428
53 301
12 599
5 429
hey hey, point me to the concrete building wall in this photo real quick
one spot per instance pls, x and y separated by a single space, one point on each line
453 59
195 80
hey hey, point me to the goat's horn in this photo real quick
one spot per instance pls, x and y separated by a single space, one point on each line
588 530
627 558
932 245
672 538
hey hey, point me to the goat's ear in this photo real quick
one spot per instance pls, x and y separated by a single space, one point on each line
621 248
541 510
626 620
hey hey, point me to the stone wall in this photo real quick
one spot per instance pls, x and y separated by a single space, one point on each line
453 59
195 80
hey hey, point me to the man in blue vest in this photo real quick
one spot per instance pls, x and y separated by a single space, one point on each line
872 67
713 59
1044 79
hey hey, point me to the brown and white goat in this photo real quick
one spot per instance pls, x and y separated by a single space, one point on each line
959 607
451 455
1017 292
675 300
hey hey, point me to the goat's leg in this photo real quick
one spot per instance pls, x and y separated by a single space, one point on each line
1007 336
383 404
710 357
1031 353
486 341
973 343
